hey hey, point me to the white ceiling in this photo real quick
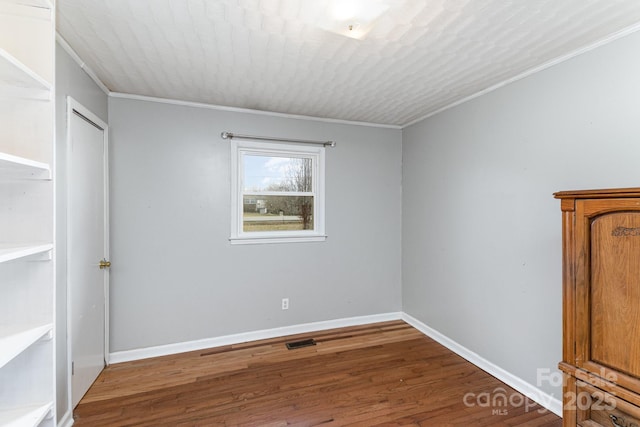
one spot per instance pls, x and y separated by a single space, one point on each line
420 57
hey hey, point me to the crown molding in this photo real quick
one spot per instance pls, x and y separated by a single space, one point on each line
601 42
247 110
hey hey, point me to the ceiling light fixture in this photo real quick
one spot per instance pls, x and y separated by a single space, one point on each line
352 18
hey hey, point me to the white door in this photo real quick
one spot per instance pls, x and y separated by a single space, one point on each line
87 239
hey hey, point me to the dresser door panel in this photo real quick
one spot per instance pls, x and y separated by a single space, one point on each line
608 289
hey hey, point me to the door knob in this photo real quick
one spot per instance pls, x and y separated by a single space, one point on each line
104 264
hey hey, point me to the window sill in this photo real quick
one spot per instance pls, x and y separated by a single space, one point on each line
276 239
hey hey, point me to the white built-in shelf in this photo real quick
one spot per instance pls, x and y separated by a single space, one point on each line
19 80
20 168
45 4
27 283
10 252
28 416
14 339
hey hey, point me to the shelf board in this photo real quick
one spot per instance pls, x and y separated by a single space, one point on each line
16 79
12 252
15 339
21 168
27 416
45 4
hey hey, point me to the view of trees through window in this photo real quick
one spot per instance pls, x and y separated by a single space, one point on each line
277 193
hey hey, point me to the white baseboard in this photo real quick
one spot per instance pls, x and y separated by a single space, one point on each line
532 392
164 350
67 420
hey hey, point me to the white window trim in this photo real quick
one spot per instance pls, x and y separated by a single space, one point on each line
238 236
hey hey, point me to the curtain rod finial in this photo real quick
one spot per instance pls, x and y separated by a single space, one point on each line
226 135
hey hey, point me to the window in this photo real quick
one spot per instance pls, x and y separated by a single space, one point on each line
277 193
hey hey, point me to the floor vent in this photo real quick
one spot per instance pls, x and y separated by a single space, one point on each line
300 344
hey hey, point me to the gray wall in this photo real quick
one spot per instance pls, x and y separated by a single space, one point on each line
70 80
481 230
175 277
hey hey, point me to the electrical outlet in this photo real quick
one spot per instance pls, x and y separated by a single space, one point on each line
285 303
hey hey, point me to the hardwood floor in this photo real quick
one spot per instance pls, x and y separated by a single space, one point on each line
381 374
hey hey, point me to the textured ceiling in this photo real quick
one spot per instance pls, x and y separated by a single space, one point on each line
272 55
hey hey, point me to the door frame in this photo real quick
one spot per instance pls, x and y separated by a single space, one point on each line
75 108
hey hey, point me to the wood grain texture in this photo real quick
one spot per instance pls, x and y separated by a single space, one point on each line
601 306
597 194
615 292
381 374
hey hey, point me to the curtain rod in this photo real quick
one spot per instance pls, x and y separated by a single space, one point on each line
231 135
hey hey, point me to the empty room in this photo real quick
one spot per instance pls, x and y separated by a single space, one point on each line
327 212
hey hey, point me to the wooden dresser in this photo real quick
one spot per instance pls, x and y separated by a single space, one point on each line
601 307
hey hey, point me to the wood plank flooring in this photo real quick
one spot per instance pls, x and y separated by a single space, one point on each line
380 374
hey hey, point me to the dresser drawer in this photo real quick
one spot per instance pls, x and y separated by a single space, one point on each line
597 408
